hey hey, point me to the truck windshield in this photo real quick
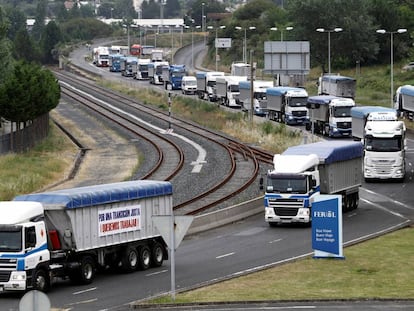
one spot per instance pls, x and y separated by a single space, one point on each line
234 88
286 183
260 95
211 83
143 67
342 112
297 102
383 144
10 239
178 74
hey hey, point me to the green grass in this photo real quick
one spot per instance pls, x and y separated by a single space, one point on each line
32 170
380 268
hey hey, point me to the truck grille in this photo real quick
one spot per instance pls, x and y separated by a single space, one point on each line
6 266
382 166
286 207
344 125
298 113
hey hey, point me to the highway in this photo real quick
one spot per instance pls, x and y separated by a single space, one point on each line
243 247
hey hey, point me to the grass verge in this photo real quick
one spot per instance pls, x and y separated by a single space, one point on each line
30 171
379 268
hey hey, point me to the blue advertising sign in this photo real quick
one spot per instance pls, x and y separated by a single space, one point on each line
327 226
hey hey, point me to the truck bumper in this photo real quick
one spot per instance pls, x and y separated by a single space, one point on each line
17 282
302 216
371 172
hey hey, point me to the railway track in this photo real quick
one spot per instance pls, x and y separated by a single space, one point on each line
244 162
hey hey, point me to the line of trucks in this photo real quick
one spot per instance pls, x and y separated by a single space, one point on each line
73 233
332 113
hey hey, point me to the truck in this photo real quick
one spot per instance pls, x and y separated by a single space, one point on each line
330 115
259 96
240 69
101 56
157 55
172 76
287 104
404 101
189 85
303 172
73 233
383 136
206 84
115 62
337 85
129 66
141 72
227 90
155 70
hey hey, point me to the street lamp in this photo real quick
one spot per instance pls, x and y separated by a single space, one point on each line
383 31
215 42
329 43
202 21
245 41
281 31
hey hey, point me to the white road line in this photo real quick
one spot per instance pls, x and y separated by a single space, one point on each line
225 255
155 273
275 241
202 154
85 291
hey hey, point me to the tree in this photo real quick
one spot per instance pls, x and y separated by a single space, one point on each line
357 41
150 9
172 9
51 37
40 19
25 48
31 92
5 50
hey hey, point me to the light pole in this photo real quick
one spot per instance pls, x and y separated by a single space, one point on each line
383 31
329 43
202 21
215 42
245 41
281 31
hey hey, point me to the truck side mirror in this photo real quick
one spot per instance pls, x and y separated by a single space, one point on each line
261 183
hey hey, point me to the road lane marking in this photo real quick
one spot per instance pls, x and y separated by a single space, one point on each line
275 241
225 255
155 273
85 291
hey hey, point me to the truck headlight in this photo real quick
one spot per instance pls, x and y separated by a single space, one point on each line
19 277
303 212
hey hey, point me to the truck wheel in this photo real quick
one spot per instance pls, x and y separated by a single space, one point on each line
87 271
157 255
130 259
41 281
144 257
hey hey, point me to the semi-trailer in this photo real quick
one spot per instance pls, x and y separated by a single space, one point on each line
287 104
383 136
302 172
206 84
330 115
259 100
227 90
155 70
337 85
71 233
404 101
